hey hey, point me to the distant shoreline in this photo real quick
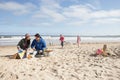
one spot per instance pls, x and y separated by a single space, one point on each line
82 43
67 35
54 39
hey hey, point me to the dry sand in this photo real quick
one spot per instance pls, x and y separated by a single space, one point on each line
70 63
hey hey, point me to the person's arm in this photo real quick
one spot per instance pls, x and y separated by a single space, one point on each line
19 44
60 39
29 44
43 44
28 47
63 39
33 45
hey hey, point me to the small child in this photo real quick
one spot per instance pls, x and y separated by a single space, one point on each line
62 40
103 51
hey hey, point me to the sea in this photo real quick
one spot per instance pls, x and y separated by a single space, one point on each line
12 40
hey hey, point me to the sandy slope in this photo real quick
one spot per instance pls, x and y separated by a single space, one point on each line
70 63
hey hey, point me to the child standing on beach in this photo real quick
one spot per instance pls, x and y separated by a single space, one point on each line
78 40
62 40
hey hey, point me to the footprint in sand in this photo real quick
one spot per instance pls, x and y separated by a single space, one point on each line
1 75
24 74
9 75
54 71
30 74
33 69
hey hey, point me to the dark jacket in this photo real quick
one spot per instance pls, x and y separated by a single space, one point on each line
39 45
24 44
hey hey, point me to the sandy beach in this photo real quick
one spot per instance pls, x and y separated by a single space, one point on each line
70 63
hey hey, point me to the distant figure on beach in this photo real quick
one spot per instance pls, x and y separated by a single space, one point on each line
22 46
38 45
50 40
103 51
78 40
62 40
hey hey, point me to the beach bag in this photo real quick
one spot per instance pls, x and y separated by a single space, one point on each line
19 55
22 54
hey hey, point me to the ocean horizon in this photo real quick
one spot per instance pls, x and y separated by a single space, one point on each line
11 40
57 35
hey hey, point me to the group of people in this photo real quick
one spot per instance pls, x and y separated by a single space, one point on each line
62 40
38 45
103 51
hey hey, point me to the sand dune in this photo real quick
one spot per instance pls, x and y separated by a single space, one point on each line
70 63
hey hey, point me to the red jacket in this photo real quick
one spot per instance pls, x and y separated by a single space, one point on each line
62 38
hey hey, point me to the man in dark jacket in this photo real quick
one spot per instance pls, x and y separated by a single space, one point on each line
38 45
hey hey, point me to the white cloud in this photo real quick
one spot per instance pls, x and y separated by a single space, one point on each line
40 15
50 10
94 3
80 14
90 6
17 8
51 4
46 13
107 21
105 14
76 15
39 24
36 24
77 11
84 12
76 23
72 1
57 17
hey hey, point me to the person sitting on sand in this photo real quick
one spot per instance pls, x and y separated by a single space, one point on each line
24 43
38 45
22 47
62 40
103 51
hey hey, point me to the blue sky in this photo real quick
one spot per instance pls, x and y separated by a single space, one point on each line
83 17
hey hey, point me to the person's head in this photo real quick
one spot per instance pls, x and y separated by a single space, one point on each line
104 47
61 35
27 36
37 36
78 36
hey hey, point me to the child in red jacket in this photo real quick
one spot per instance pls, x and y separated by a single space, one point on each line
62 40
